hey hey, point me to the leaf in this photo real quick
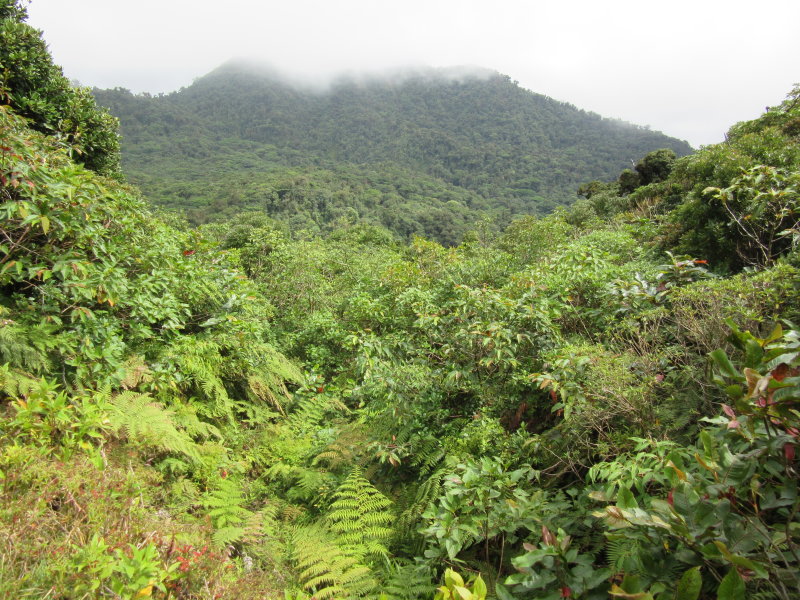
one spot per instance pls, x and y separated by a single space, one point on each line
45 223
453 579
724 365
147 591
681 475
463 592
618 592
689 585
731 587
479 589
625 498
502 592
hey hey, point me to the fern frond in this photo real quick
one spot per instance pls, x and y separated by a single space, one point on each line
226 504
254 414
226 536
360 516
14 383
427 453
134 372
201 363
425 495
347 449
326 570
184 493
18 350
408 581
148 424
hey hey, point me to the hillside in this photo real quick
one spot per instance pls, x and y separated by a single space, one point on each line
421 152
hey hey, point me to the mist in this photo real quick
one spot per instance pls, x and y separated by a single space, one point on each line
689 69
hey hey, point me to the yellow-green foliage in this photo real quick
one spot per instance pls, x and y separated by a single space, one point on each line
359 516
326 569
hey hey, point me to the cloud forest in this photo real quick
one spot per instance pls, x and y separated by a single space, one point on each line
433 337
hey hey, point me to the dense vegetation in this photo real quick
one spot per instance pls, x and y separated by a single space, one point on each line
571 408
425 153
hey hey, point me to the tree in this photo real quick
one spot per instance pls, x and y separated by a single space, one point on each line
655 166
37 89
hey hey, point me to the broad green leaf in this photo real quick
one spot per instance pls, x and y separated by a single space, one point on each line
452 579
689 585
731 587
479 589
618 592
725 365
625 499
463 593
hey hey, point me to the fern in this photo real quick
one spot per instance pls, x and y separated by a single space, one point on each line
347 449
134 372
410 516
311 413
408 581
185 494
18 350
270 370
326 570
226 503
427 453
200 362
622 554
148 424
303 484
360 516
232 521
227 536
14 383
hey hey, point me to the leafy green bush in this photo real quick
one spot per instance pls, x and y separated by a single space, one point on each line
38 90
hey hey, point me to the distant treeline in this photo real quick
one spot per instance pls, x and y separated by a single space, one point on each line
427 154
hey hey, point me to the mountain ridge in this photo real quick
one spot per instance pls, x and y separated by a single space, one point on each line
490 144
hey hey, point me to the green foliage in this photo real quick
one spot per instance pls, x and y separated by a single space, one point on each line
359 516
147 425
763 207
418 156
553 570
38 90
49 419
655 166
131 572
456 588
343 415
482 502
731 502
326 570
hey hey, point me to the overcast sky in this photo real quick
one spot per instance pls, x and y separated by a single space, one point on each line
690 68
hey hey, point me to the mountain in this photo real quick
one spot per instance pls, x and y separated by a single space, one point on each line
424 151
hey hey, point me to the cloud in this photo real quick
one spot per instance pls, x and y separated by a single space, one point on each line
688 68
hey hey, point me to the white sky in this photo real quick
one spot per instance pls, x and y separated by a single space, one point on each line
690 68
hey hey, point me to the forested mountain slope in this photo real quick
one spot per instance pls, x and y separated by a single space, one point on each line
421 152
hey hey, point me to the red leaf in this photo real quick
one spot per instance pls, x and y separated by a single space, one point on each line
670 499
779 372
782 371
189 252
566 592
728 411
788 451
